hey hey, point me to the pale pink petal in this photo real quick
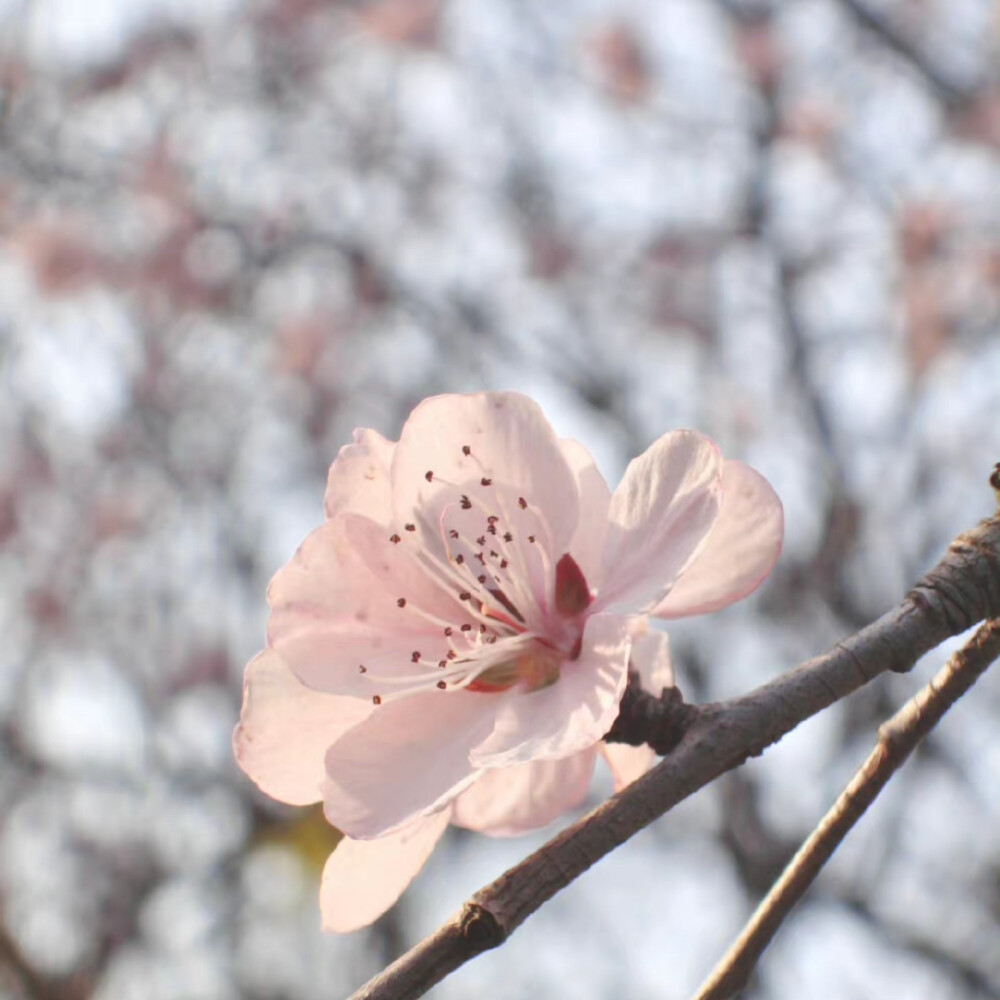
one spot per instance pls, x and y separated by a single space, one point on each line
570 715
659 517
587 544
409 758
507 801
335 608
359 478
509 442
286 728
626 763
650 659
741 550
363 878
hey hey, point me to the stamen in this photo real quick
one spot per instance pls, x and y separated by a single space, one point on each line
429 476
410 527
395 539
466 450
400 602
376 699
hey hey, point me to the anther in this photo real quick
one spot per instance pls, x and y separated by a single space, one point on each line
460 559
451 654
448 630
410 527
453 533
362 669
429 476
522 503
531 538
465 628
464 596
503 564
376 699
485 481
401 602
415 656
442 664
491 528
481 578
466 450
395 539
466 503
481 540
441 685
508 537
492 519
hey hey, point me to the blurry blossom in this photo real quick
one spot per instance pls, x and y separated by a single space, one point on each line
233 231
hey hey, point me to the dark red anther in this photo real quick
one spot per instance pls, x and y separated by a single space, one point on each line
410 527
415 656
522 503
572 592
466 450
429 476
485 481
466 503
395 539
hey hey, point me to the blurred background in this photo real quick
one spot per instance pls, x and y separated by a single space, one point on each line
232 230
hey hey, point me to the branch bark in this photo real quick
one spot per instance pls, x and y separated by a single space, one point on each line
896 741
963 589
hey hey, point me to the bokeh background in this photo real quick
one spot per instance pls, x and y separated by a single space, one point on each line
232 230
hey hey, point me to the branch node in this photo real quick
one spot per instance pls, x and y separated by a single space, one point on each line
479 928
660 722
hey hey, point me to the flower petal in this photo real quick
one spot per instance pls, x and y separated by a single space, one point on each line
467 443
359 478
335 607
587 543
363 878
626 763
507 801
659 516
570 715
285 729
741 550
409 758
650 659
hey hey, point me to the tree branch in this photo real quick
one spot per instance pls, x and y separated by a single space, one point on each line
964 588
953 92
896 741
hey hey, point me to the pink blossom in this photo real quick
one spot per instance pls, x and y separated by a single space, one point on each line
281 742
453 642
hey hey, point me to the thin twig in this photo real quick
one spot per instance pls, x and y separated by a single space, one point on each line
949 88
963 589
897 739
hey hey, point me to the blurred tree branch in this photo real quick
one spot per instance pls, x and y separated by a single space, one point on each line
951 91
963 589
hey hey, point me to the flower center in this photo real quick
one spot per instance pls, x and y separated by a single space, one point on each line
518 613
